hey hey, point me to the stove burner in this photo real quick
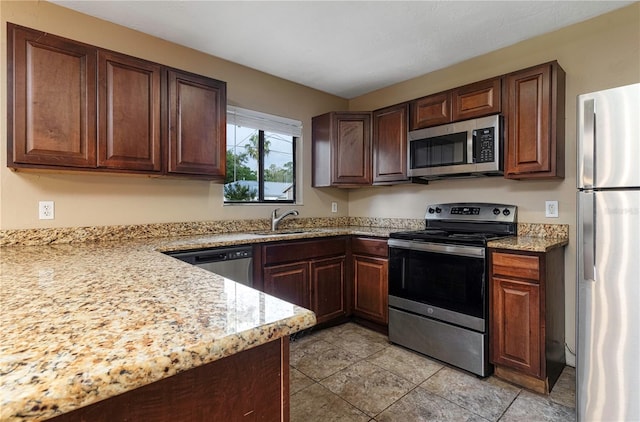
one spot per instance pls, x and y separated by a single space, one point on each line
471 235
432 232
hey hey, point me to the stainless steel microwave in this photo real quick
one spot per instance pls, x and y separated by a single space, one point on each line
461 149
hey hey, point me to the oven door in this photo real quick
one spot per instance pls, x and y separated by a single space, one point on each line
439 281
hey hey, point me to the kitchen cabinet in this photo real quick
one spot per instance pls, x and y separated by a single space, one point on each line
197 125
431 110
288 282
128 113
51 100
309 273
328 288
477 99
370 263
390 128
252 382
74 106
534 123
341 149
470 101
527 317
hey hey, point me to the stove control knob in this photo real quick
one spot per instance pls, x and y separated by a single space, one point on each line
431 210
438 210
506 211
496 211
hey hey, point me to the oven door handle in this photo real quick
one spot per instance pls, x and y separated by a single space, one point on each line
460 250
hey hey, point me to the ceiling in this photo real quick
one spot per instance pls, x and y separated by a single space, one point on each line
346 48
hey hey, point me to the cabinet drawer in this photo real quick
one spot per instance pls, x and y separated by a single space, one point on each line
521 266
293 251
368 246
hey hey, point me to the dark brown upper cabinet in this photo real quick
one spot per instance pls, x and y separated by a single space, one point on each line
51 101
129 113
341 149
470 101
197 125
534 123
477 100
431 110
390 128
77 106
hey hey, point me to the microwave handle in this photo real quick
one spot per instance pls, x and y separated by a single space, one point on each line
474 136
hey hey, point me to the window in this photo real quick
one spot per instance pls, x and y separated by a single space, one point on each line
261 152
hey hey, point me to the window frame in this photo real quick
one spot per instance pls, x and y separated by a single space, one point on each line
289 126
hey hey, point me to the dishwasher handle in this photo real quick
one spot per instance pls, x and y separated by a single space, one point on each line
213 257
207 256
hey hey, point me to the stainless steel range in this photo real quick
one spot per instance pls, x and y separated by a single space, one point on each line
438 283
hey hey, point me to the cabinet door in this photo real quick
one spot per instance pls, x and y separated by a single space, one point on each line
197 125
288 282
534 147
477 99
129 113
515 326
430 111
371 288
51 100
328 289
390 144
351 149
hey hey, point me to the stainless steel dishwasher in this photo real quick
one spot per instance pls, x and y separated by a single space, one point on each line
235 263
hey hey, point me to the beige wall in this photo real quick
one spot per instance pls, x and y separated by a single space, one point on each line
598 54
93 200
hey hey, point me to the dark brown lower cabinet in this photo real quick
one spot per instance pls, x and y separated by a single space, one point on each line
370 265
309 273
252 385
527 317
288 282
328 288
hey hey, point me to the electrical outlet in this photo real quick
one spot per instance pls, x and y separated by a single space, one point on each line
551 209
45 210
334 207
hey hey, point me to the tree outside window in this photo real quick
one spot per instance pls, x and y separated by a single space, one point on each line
260 166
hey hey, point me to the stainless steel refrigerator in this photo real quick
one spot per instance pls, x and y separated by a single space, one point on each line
608 288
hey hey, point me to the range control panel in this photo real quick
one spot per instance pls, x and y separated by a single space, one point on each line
465 210
472 212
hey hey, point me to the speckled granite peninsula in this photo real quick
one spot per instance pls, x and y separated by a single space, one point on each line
81 323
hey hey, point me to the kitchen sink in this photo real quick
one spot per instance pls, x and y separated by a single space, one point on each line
281 232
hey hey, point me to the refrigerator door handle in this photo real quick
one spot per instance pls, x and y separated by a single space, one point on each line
587 145
588 235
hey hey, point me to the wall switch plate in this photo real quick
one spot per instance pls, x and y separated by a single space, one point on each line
45 210
334 207
551 209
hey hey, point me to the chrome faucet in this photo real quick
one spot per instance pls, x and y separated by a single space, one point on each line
275 220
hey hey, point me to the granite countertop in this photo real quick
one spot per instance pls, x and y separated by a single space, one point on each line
528 243
85 321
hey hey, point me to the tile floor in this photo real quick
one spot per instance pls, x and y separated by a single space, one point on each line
350 373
